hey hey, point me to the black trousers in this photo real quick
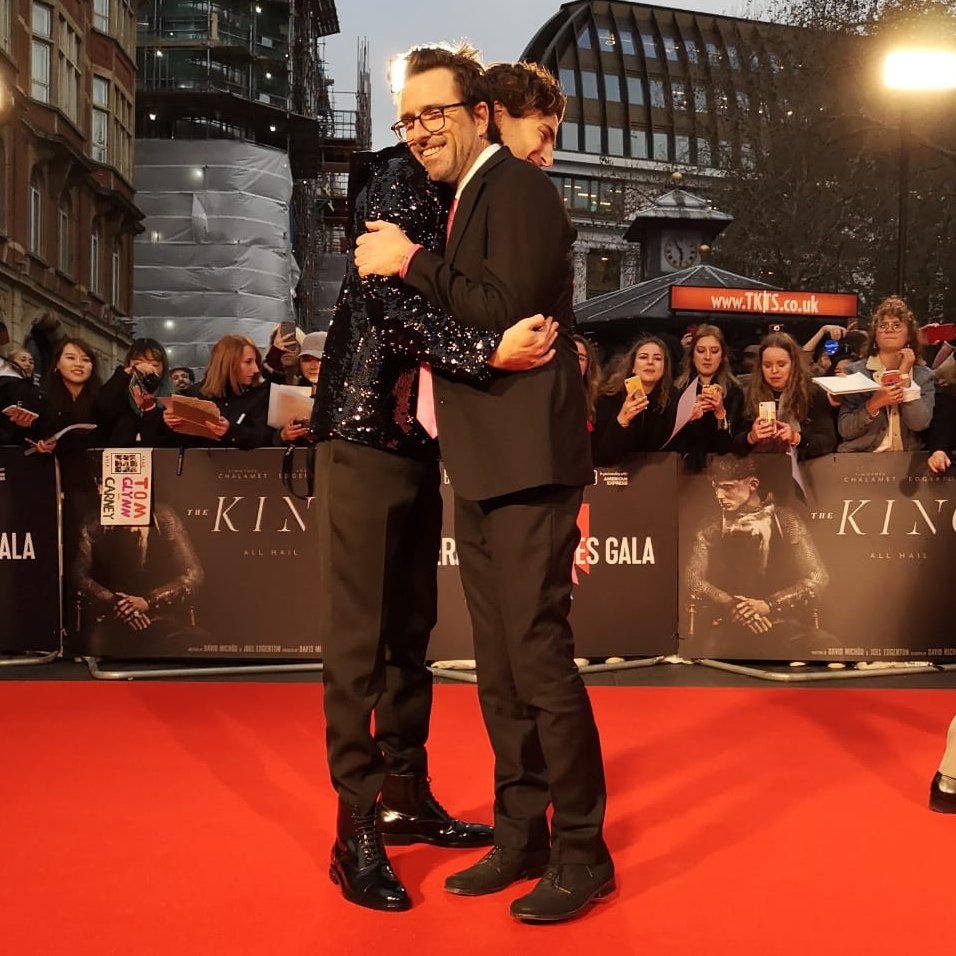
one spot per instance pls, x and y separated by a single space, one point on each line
515 555
380 532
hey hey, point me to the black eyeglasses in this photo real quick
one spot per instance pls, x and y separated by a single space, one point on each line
432 119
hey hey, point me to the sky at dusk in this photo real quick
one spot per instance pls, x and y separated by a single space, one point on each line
500 29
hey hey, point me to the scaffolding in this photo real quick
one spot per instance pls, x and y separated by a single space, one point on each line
254 71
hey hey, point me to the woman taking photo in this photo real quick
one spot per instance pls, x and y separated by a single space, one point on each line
784 408
719 403
635 412
127 409
891 418
234 383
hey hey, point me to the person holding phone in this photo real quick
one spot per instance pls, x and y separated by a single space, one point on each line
19 403
719 400
128 408
784 409
636 408
893 417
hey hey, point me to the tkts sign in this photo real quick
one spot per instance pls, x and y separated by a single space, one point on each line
687 298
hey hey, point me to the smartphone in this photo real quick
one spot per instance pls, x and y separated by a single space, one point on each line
10 409
634 384
890 377
944 332
767 411
830 346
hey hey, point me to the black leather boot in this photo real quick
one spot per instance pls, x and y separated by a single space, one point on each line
360 865
409 813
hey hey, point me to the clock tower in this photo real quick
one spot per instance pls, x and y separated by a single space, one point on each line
672 230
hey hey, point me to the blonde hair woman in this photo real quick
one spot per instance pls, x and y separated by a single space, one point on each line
234 382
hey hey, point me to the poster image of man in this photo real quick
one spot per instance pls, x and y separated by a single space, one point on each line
753 575
136 587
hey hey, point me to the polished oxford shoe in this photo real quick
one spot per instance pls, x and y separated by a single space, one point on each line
942 801
565 890
497 870
409 813
360 866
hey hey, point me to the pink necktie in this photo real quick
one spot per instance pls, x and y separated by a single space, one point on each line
425 406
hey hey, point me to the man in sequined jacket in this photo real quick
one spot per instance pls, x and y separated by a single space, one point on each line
380 517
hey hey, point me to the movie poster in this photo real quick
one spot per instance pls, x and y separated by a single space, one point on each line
852 567
226 568
624 595
29 553
885 526
752 578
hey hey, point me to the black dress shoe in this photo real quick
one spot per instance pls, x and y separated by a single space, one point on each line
409 813
942 801
496 870
566 890
360 865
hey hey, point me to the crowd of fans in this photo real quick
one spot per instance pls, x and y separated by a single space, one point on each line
692 397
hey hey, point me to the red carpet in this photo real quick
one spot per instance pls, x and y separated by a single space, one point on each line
189 819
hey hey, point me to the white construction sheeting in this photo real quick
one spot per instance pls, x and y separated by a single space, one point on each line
216 253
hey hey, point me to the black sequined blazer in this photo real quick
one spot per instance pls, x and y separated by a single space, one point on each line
382 330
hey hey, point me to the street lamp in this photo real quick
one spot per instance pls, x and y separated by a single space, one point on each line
913 70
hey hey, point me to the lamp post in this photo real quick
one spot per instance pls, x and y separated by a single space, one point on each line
913 70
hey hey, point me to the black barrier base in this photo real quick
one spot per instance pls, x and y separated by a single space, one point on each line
212 670
21 660
805 676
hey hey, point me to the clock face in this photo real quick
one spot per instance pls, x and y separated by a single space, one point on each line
679 252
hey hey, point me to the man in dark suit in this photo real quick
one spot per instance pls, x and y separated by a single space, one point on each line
517 450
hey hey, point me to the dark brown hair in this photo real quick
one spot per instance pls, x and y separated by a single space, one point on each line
723 376
623 367
523 88
465 67
591 375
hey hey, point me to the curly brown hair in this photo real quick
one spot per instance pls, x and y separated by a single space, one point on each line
893 307
523 88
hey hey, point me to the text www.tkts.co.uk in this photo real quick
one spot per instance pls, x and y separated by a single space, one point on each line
761 301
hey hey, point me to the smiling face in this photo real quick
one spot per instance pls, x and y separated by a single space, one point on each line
74 366
23 361
180 379
707 356
531 137
248 367
448 154
649 364
775 364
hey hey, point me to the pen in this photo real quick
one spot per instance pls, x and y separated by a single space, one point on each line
240 418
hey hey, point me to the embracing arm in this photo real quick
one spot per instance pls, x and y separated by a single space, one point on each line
520 237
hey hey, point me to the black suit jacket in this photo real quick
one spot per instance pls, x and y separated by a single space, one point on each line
509 256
